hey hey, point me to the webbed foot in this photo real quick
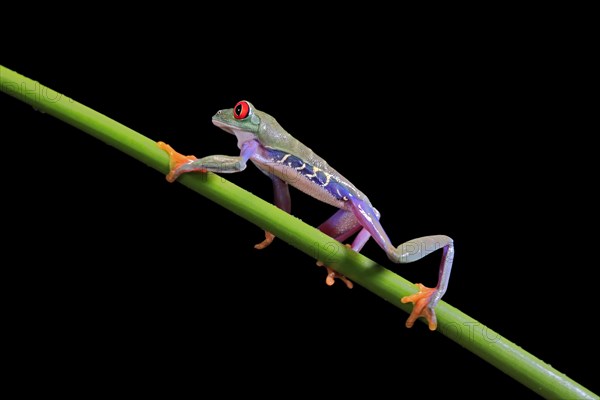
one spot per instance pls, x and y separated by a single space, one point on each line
332 275
176 160
422 307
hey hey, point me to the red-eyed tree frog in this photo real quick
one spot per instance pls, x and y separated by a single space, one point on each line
287 161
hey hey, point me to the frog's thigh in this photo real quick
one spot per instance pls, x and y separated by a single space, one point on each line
340 225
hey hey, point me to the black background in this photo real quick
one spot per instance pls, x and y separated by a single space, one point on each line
446 130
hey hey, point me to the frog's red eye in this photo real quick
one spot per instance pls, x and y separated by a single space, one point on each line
241 110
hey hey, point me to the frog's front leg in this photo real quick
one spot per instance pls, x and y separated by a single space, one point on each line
180 164
427 298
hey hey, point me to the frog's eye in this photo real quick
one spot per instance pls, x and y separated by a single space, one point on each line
241 110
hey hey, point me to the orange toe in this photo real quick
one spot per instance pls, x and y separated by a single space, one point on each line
421 307
332 275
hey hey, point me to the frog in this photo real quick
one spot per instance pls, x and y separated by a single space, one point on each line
288 162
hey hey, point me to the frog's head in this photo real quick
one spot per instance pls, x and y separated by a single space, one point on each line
247 123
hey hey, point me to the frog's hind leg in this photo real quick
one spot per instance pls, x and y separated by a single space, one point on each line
427 298
341 226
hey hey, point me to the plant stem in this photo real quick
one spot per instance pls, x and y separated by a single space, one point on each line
469 333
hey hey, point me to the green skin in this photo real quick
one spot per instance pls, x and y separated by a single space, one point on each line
289 162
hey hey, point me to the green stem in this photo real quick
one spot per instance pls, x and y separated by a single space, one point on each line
469 333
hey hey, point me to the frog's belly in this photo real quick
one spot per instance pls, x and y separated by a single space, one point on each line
307 178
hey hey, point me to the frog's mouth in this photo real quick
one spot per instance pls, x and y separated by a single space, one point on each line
224 126
242 136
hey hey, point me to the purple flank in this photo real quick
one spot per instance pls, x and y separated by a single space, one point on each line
336 188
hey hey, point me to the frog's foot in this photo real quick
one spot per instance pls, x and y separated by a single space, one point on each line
268 240
332 275
422 307
176 160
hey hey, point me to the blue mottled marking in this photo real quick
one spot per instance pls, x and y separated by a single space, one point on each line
329 182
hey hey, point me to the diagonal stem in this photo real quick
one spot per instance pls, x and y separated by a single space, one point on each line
469 333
